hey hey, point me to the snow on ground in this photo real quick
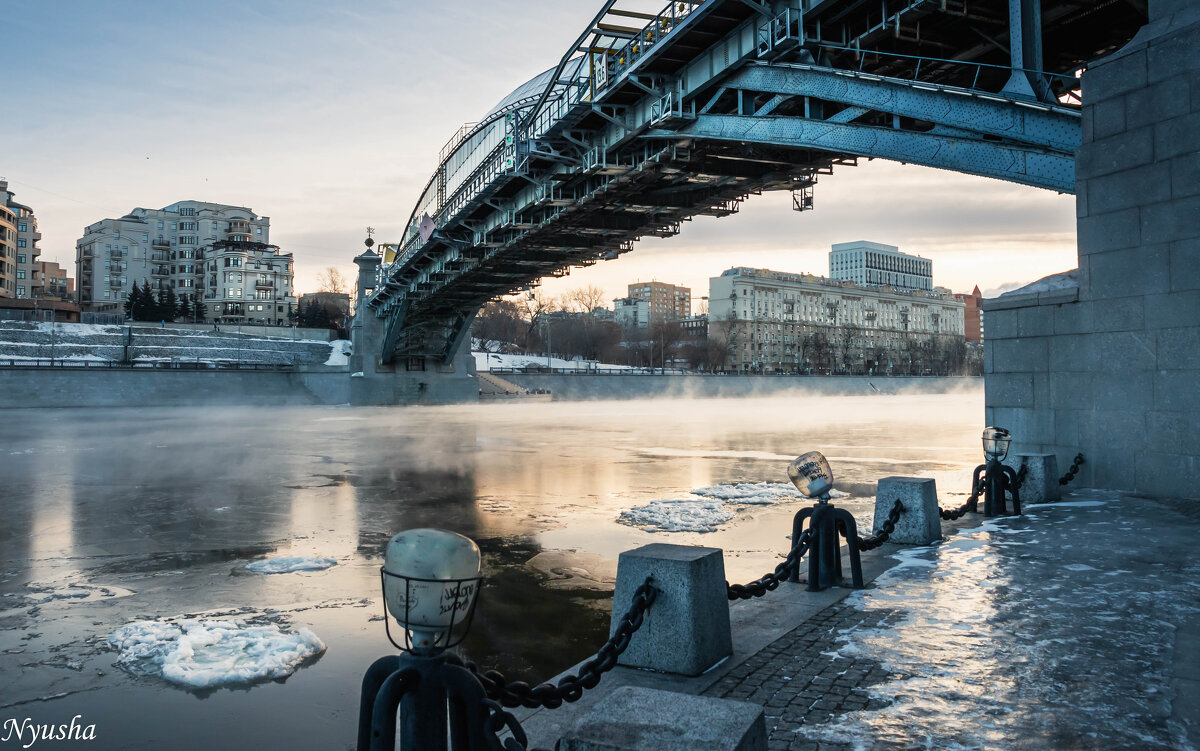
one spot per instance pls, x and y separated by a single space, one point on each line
489 360
1063 280
704 510
286 564
212 653
339 353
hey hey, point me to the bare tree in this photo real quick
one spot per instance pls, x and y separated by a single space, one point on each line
583 300
533 307
331 280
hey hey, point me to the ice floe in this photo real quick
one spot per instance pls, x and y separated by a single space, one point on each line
286 564
704 509
339 353
212 653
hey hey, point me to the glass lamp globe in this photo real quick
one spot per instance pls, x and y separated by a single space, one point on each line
811 475
996 442
430 580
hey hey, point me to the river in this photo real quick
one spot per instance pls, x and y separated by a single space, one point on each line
115 516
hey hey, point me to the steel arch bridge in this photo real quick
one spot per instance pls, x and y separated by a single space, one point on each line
658 115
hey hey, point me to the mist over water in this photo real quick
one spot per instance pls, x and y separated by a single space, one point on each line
114 516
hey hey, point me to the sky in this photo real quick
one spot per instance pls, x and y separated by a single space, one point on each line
328 118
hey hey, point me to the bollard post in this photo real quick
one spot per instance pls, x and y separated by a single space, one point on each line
687 631
1041 477
921 523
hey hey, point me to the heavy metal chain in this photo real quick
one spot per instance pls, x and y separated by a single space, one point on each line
970 505
498 721
770 582
1070 475
885 530
1021 476
571 687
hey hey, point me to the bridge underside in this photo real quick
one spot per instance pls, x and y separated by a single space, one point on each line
636 155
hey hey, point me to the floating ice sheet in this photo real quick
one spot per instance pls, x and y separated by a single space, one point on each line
694 514
286 564
212 653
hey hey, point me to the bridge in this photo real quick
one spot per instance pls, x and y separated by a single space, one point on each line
652 118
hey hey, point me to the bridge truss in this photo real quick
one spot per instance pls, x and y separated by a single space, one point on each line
653 118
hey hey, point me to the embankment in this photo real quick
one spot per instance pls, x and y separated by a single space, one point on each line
582 387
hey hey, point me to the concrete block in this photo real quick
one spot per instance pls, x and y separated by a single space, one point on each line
1173 309
1114 77
1177 136
1154 103
1176 390
1122 350
686 630
1185 175
1073 318
1030 427
1071 353
1179 348
1009 389
1001 324
1105 156
1035 320
989 360
1168 475
1041 390
1071 425
1185 265
647 719
1108 117
1143 270
1113 231
1119 314
1120 429
1123 388
1024 355
1139 186
1178 219
1179 53
1071 391
921 522
1173 432
1041 476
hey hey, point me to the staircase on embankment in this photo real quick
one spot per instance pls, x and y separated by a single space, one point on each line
495 387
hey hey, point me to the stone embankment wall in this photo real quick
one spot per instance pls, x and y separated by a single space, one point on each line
579 387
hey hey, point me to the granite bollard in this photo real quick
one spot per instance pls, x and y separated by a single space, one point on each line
646 719
921 522
686 630
1041 477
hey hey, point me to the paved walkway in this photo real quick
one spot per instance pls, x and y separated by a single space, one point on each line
1076 626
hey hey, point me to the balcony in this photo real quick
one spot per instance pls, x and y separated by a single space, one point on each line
159 256
115 283
160 271
264 284
161 242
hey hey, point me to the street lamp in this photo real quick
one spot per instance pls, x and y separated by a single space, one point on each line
430 580
996 480
813 477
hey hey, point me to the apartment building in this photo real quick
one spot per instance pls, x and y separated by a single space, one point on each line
875 264
19 248
56 285
774 322
665 302
213 252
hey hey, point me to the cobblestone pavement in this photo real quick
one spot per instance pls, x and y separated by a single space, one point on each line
800 680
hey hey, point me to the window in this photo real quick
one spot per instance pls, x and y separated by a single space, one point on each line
22 227
20 242
20 290
258 230
192 226
187 239
20 258
160 225
20 273
187 212
145 237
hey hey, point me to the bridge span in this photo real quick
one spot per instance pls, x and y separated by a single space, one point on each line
652 118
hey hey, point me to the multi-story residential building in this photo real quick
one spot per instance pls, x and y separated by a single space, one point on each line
666 302
8 252
56 285
26 283
210 251
875 264
632 312
972 314
772 322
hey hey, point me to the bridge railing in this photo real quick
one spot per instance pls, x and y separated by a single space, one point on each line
608 65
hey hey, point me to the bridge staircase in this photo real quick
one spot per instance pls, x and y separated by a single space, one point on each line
492 387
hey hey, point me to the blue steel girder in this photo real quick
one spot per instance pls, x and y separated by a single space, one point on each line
1016 119
1039 168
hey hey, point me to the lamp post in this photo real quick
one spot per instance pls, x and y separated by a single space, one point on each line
430 581
998 480
813 477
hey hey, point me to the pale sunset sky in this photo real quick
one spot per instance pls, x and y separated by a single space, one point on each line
328 117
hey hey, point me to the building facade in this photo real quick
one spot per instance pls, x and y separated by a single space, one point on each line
206 251
631 312
875 264
21 250
972 314
56 285
776 322
666 302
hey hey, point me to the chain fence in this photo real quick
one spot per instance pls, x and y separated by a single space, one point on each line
885 530
570 688
1075 465
771 581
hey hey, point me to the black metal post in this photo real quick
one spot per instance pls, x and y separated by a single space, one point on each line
999 481
828 524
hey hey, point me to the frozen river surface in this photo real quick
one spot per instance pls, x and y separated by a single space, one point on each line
133 539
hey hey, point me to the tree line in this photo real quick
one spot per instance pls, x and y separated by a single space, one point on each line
144 305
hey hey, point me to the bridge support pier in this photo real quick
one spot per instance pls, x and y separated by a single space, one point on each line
418 380
1106 361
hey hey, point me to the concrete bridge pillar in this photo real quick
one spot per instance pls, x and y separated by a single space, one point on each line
1106 360
419 380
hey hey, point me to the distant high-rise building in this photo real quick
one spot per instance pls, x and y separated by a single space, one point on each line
19 251
666 302
210 251
879 265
